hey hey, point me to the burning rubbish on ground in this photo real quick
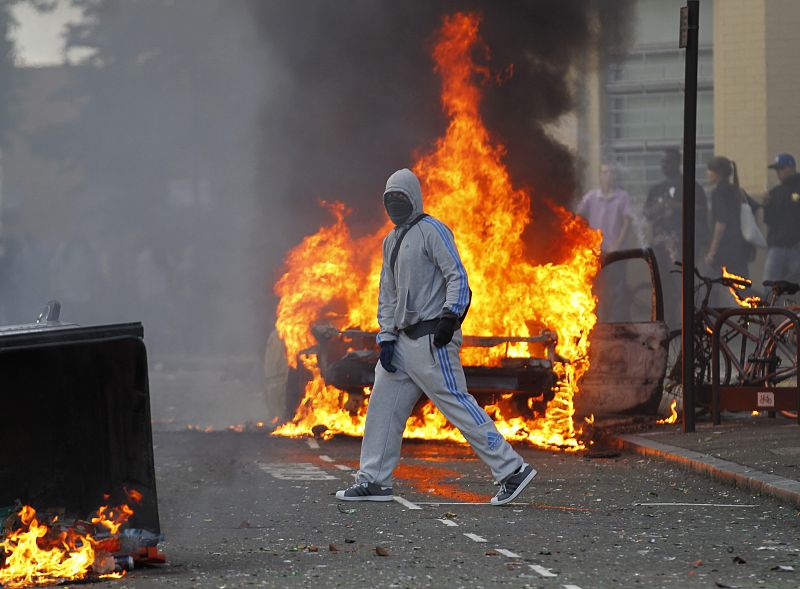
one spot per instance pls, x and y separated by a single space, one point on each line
520 303
673 417
92 447
49 548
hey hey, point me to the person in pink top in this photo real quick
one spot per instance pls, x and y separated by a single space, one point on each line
608 209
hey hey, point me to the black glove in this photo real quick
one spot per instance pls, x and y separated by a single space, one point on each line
445 329
387 353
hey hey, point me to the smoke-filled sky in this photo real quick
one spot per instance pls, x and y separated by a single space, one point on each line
208 131
358 96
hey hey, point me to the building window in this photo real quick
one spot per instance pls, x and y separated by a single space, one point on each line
644 107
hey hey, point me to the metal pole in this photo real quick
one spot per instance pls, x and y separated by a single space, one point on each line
689 145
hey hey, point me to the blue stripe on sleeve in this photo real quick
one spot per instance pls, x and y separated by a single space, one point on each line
462 289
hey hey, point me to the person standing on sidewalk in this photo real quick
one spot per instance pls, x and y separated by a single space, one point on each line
782 217
608 209
423 294
727 246
663 211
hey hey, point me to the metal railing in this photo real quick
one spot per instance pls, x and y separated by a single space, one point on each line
746 394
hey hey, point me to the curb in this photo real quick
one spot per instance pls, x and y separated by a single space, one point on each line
744 477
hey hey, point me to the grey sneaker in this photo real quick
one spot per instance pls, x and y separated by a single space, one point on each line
513 485
366 492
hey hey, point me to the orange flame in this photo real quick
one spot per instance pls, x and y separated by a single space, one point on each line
673 417
753 301
39 554
112 518
332 277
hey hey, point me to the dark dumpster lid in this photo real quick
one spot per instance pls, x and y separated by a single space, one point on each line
34 334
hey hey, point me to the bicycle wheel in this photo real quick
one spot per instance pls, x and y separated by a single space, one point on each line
702 362
780 351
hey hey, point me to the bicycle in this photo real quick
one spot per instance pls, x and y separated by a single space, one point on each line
766 351
780 351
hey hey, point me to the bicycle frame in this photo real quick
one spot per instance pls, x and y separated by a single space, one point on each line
747 365
778 394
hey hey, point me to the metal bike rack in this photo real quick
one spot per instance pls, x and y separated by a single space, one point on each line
746 398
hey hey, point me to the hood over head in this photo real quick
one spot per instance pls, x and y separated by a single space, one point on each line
406 181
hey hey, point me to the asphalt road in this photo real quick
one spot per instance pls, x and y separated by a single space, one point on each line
249 510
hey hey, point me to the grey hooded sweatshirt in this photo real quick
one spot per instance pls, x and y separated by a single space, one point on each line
428 278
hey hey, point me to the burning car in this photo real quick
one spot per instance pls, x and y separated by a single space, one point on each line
629 362
527 339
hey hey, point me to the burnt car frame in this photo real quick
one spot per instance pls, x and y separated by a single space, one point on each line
628 363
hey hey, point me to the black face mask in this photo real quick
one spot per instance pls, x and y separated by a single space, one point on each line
398 207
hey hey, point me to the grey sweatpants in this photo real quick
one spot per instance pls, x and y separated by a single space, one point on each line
422 367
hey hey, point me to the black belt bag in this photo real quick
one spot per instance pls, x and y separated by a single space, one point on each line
421 329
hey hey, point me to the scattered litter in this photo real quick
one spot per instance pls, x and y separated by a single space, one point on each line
698 563
783 568
449 515
343 509
492 552
245 524
739 560
381 551
35 545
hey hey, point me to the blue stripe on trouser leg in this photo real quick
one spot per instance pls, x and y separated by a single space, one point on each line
482 417
450 382
439 376
440 385
468 400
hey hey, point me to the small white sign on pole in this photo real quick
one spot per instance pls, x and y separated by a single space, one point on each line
766 399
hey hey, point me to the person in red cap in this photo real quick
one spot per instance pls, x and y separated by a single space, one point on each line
782 217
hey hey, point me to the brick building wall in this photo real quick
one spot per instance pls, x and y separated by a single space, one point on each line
740 88
756 86
782 80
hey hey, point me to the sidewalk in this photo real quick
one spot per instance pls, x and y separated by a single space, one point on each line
755 453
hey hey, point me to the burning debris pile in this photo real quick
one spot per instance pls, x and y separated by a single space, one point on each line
47 549
332 277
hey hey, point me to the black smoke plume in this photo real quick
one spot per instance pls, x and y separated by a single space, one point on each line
358 97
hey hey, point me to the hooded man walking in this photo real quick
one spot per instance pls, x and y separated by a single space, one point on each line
423 292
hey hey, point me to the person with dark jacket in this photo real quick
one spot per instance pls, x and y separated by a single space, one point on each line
727 246
782 217
663 211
